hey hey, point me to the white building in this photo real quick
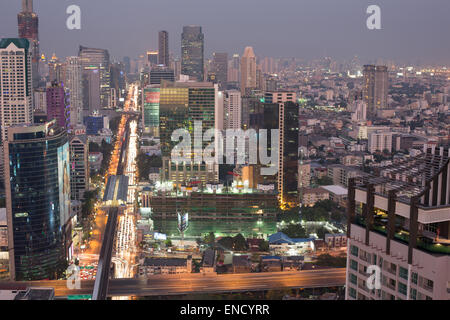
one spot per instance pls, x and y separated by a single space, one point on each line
16 96
233 109
380 141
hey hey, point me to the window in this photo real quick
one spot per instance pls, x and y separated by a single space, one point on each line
403 273
352 293
374 259
413 294
402 288
354 250
353 278
354 265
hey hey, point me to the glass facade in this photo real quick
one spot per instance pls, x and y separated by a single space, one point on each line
151 110
37 209
192 48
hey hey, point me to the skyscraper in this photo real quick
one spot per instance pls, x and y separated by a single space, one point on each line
192 50
37 183
233 109
16 93
152 58
220 68
74 84
163 50
150 109
248 71
182 103
91 89
29 29
98 58
375 88
57 104
79 165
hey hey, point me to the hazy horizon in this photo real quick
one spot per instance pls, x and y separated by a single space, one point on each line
413 31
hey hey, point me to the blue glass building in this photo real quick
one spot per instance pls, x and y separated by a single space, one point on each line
37 183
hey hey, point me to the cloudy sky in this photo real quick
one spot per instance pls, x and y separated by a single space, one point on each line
412 30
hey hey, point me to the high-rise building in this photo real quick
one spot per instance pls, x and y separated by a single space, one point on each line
163 48
28 22
152 58
234 69
192 50
375 88
220 69
57 105
98 58
380 142
399 223
79 166
159 73
150 109
74 84
37 183
91 89
248 71
182 103
233 109
16 93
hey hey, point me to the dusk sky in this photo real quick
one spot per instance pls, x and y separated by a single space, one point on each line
412 30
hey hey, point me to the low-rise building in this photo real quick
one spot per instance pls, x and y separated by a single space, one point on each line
281 244
152 266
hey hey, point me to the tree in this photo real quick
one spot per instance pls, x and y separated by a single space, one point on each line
325 181
168 243
321 232
264 245
209 238
239 242
294 231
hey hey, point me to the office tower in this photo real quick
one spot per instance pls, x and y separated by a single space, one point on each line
234 69
16 94
150 109
375 88
79 164
288 151
159 73
399 221
91 89
192 50
163 48
98 58
29 29
248 71
182 103
74 84
118 83
127 64
57 105
152 58
37 183
233 109
220 69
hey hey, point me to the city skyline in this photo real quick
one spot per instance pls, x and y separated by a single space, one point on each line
405 33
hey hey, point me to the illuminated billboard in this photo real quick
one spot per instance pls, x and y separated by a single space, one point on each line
64 183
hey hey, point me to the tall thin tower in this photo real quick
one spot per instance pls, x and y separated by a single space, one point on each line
163 50
28 24
248 70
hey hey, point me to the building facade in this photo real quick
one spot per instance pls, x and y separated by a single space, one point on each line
192 52
37 181
399 222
